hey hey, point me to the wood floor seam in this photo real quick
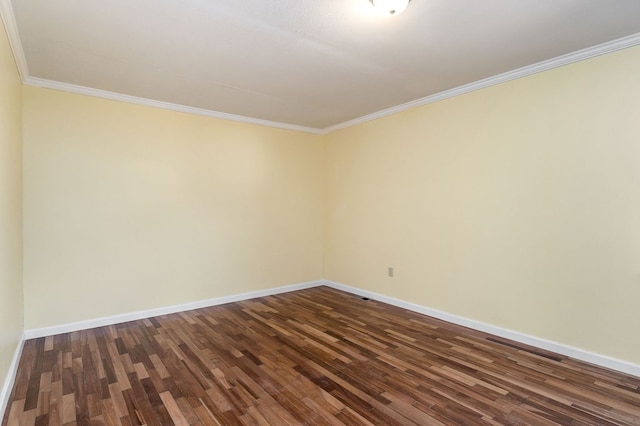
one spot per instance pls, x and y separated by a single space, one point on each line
316 356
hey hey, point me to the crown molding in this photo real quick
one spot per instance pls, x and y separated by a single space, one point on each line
569 58
105 94
9 20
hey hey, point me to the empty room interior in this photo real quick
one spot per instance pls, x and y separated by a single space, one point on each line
320 212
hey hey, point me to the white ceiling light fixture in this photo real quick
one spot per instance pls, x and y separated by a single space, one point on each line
390 7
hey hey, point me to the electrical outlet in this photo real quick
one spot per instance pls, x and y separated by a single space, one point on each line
390 271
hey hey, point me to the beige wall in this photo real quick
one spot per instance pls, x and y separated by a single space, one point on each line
517 205
11 306
128 208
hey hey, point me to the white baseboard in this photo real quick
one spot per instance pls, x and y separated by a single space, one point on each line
559 348
132 316
7 386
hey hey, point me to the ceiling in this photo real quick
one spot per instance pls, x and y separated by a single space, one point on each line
307 64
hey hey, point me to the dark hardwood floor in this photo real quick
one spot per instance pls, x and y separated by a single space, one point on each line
312 357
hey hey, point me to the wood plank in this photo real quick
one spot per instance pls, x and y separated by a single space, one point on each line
316 356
